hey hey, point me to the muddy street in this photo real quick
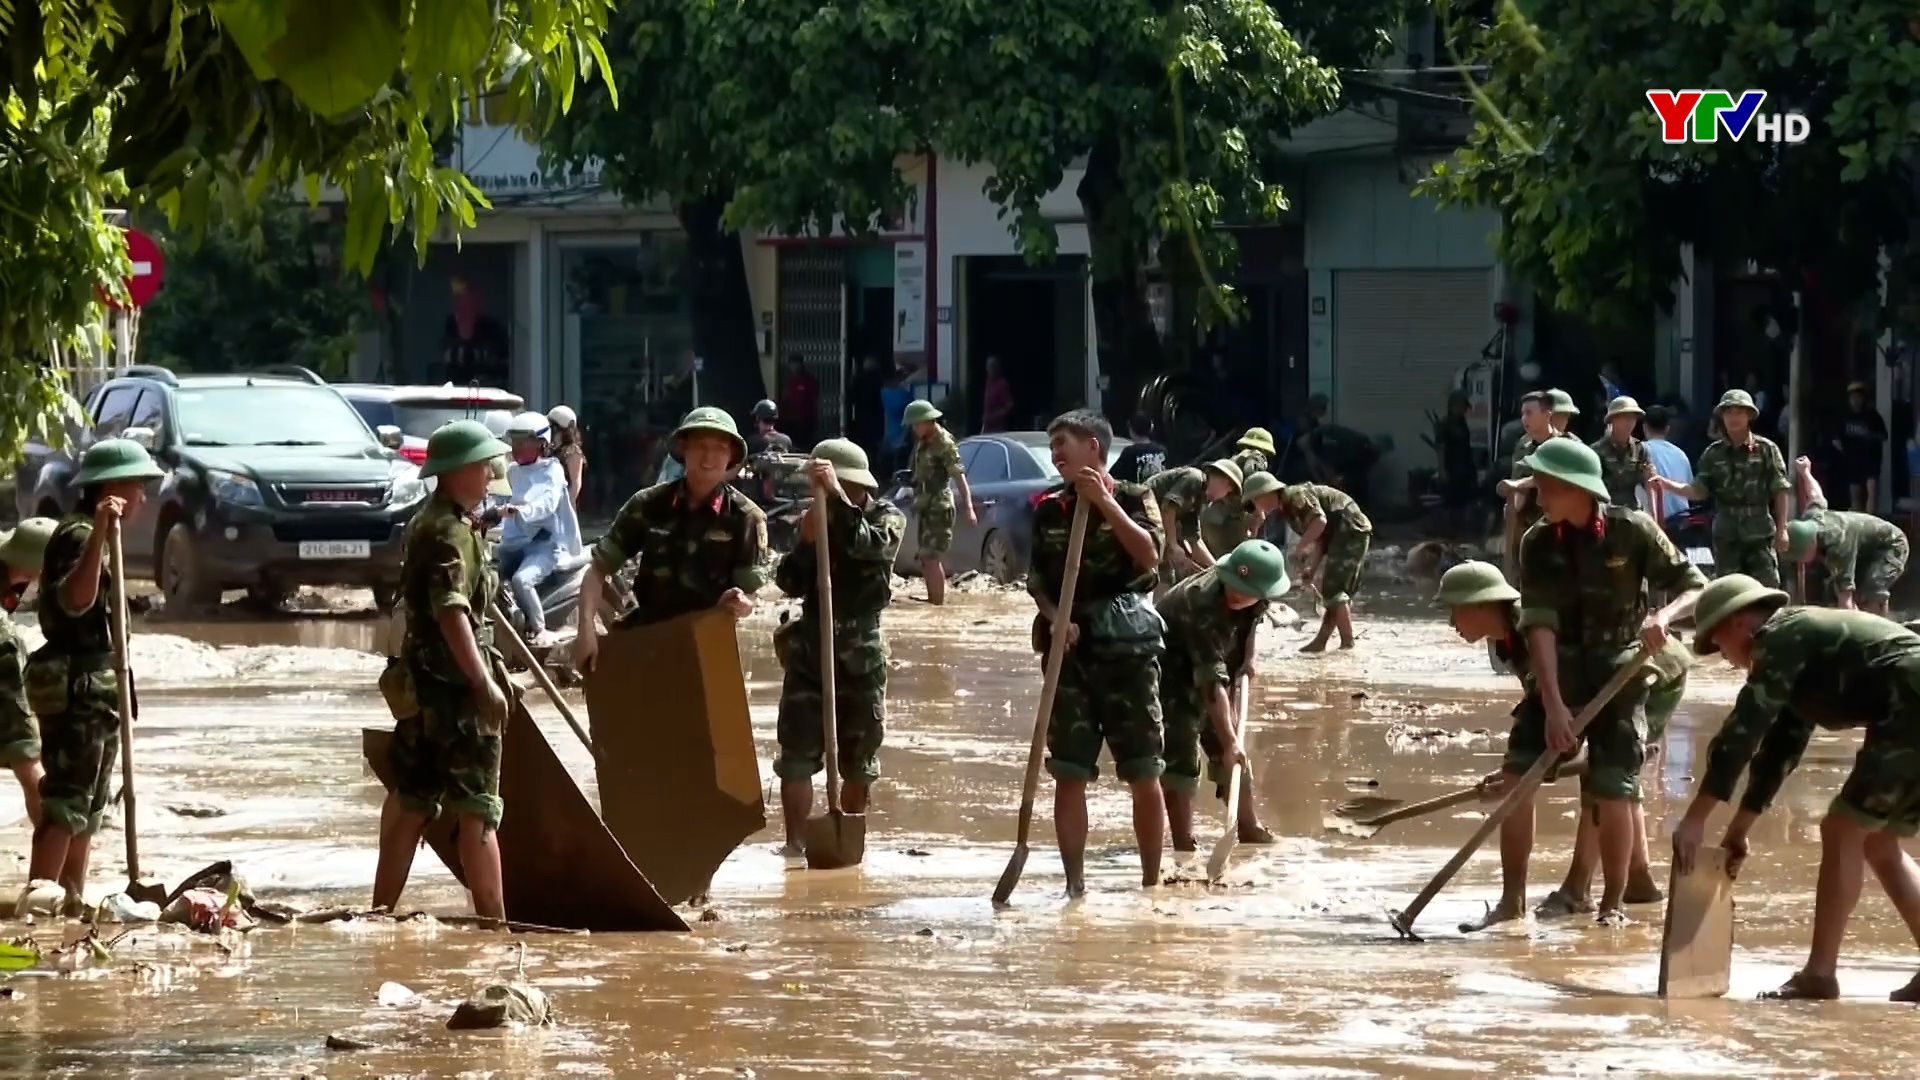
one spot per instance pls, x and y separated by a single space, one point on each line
251 752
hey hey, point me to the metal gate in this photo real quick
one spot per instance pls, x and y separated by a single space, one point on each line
1400 337
813 323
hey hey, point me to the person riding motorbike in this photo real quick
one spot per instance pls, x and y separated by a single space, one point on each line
767 438
538 530
564 433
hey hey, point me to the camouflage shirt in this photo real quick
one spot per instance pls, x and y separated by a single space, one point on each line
1203 633
936 464
861 545
86 633
1623 468
1812 667
1106 570
1589 586
1844 534
1522 450
1304 504
1223 525
443 567
1742 481
1250 462
13 675
1670 665
689 555
1184 489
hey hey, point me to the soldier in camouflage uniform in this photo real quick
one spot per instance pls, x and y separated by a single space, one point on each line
1536 417
936 471
448 689
1179 494
1624 464
1334 538
1109 683
21 554
1808 668
1746 477
1864 554
1564 410
863 537
701 542
71 682
1211 622
1482 607
1254 452
1585 571
1224 518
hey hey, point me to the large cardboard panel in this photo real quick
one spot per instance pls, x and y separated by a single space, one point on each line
561 867
1696 951
679 775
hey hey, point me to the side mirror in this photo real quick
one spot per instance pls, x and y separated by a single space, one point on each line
390 437
141 436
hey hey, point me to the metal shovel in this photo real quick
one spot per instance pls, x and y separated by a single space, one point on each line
834 839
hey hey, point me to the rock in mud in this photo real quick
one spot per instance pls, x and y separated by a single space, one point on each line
502 1005
348 1043
395 996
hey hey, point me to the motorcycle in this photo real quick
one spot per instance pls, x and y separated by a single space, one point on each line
1691 531
777 483
559 598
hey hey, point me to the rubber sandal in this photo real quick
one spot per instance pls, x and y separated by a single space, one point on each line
1805 987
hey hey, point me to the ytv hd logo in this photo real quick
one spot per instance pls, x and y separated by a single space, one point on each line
1700 115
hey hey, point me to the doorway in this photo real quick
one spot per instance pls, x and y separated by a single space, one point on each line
1033 318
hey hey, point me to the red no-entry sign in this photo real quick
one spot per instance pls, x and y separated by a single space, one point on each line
149 268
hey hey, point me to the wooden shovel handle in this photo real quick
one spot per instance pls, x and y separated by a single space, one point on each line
124 676
1453 798
823 585
1056 656
1521 791
525 653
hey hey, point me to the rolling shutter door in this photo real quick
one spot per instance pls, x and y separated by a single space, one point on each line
1400 339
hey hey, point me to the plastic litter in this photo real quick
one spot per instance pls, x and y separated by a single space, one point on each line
121 908
500 1005
40 897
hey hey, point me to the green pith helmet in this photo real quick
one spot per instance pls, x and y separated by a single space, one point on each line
1257 438
1570 461
115 459
1474 583
458 444
1257 569
1736 399
1259 484
1563 403
25 548
1801 535
848 460
1225 467
1624 406
920 412
1723 598
708 418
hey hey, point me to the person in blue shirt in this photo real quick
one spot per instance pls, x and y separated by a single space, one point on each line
538 531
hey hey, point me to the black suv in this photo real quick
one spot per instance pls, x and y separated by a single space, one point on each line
272 481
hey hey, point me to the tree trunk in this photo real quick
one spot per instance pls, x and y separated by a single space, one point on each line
723 317
1128 345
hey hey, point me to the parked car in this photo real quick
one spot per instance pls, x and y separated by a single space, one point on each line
1008 472
419 410
272 481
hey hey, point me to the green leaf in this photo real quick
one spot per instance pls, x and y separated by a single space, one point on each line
449 37
336 54
17 956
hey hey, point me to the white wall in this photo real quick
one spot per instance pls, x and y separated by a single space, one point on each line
968 223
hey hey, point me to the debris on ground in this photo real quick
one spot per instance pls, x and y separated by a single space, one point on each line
502 1005
40 897
121 908
1362 782
1404 737
395 996
196 810
348 1043
209 912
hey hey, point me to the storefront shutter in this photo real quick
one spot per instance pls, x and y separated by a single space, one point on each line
812 304
1400 339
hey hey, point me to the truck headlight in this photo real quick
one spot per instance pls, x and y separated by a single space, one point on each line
234 489
406 486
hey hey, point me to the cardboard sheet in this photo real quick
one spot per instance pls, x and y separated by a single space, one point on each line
679 774
560 865
1696 951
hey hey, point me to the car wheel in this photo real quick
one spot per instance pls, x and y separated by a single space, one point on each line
183 586
269 597
996 558
386 597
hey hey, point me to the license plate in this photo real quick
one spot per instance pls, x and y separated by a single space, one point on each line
336 549
1700 556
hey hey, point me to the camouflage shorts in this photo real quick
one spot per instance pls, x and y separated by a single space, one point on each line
1883 790
80 746
1880 566
935 520
1616 743
1663 700
1188 724
441 761
860 712
1112 702
19 737
1346 558
1755 558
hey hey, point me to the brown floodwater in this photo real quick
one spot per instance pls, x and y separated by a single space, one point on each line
250 750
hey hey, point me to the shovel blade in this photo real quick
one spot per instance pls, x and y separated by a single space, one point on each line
1367 806
1010 877
836 840
147 892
